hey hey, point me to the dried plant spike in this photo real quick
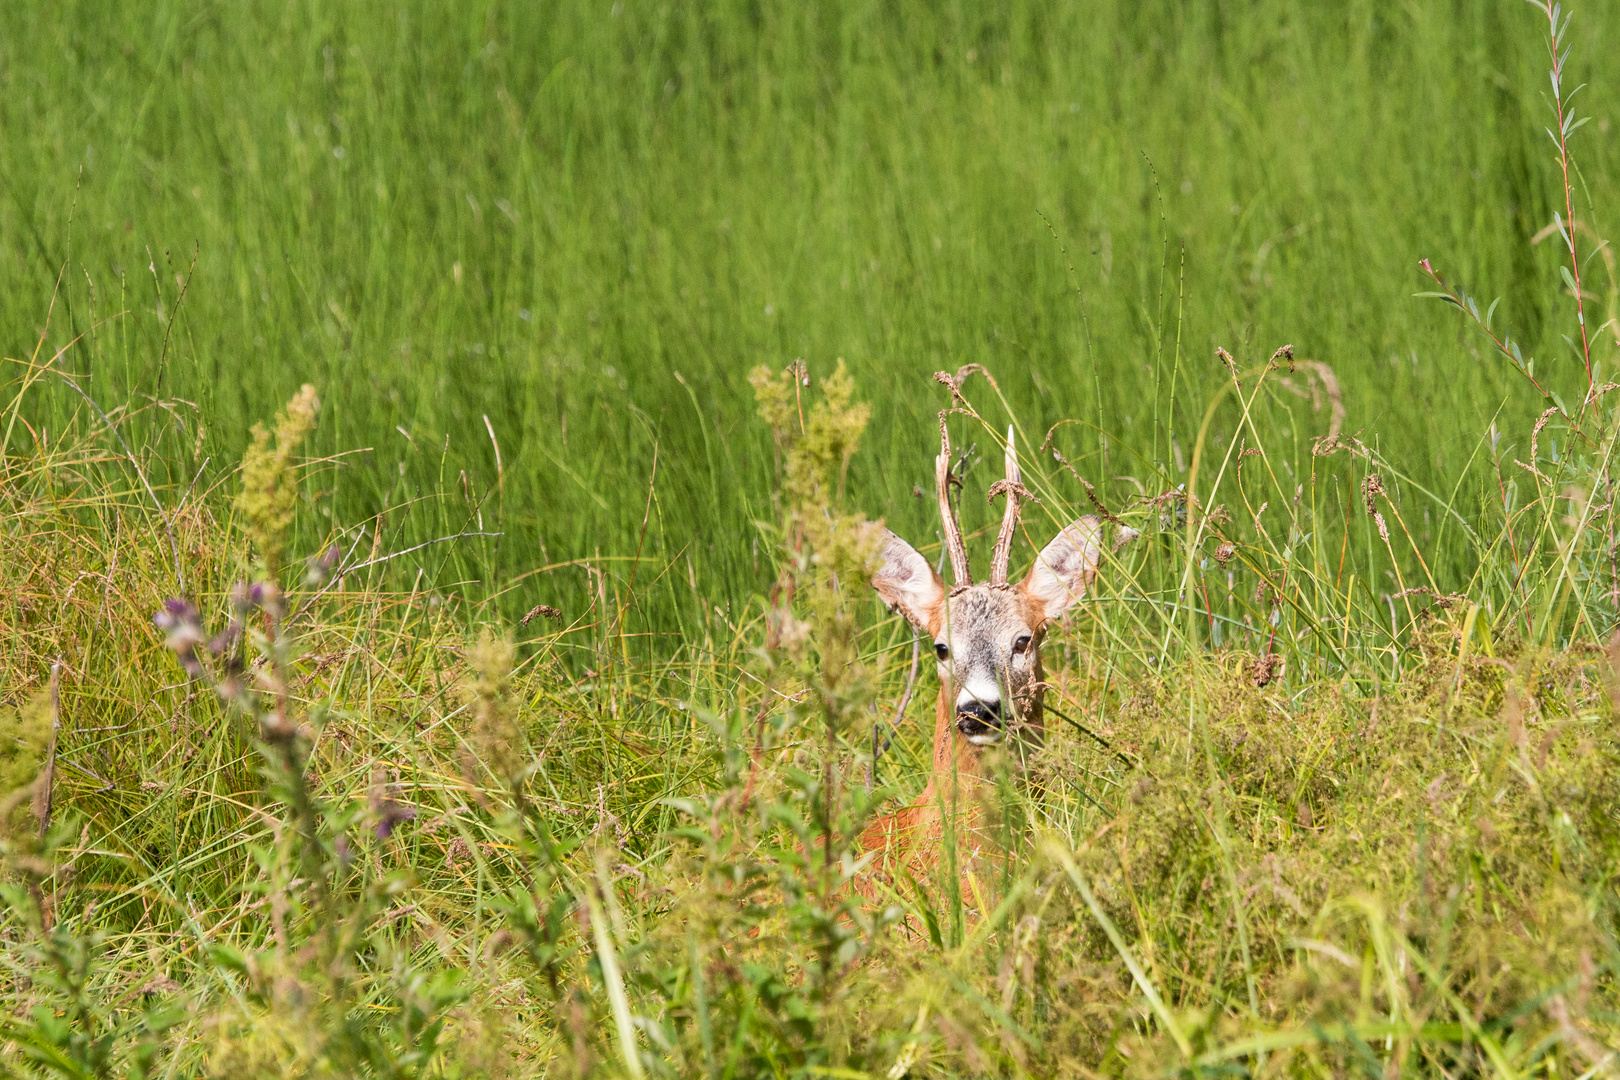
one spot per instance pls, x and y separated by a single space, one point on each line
269 493
540 610
1535 432
1265 669
495 734
947 518
1371 488
1009 518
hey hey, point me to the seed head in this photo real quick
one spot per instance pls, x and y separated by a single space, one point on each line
496 735
269 487
540 610
1371 488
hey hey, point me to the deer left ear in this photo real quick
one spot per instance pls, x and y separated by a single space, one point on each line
1066 567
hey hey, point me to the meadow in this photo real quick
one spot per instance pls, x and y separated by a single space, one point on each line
465 742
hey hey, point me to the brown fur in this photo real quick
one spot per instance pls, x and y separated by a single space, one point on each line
982 626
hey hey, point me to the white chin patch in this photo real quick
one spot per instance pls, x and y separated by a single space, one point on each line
989 738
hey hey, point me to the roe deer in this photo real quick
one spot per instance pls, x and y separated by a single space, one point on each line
987 639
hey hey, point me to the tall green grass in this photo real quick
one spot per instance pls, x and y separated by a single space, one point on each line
587 224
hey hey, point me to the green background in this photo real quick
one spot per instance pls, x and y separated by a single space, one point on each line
588 222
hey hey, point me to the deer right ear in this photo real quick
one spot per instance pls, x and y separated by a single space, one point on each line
907 583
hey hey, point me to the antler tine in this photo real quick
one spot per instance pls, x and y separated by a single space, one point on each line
952 527
1009 519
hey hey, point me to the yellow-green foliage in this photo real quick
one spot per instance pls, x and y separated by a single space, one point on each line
1433 853
25 734
269 484
25 737
495 734
824 548
815 444
1394 857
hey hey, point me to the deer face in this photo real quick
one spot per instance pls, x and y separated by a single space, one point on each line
986 638
987 647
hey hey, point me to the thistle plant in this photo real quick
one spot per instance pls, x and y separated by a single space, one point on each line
827 557
258 614
538 908
313 878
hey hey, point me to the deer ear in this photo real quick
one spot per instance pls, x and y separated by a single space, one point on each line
1066 567
907 583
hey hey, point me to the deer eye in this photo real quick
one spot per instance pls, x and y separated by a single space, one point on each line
941 650
1022 644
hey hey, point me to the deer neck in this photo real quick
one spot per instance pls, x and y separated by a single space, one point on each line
958 764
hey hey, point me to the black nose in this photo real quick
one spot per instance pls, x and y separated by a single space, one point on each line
978 718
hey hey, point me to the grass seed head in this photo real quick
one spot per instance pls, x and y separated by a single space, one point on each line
269 487
496 735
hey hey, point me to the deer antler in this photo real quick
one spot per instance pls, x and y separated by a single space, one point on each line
1013 487
952 527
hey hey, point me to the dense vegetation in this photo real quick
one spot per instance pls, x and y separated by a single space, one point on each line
467 741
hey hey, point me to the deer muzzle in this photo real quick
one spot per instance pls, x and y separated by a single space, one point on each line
981 723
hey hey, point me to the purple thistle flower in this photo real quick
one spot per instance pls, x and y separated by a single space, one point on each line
243 599
177 616
386 808
183 632
395 814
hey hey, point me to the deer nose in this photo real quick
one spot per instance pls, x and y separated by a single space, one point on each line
980 721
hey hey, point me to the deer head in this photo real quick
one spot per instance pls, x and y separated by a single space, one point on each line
987 637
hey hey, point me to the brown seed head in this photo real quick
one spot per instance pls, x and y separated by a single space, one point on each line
1371 488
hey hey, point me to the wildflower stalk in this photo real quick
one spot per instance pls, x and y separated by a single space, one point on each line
539 907
824 553
1567 125
266 505
269 487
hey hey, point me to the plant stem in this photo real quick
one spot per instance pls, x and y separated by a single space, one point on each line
1555 36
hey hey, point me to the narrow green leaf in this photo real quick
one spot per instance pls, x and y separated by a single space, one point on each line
614 982
1143 983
